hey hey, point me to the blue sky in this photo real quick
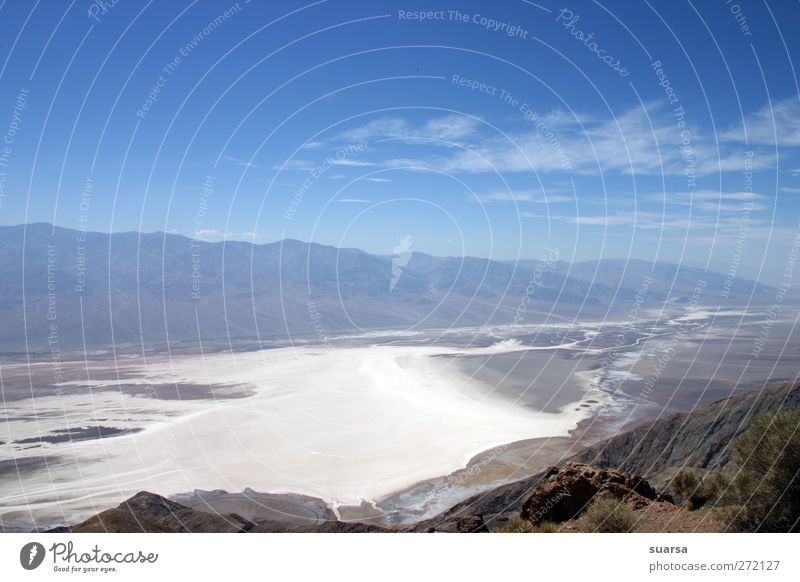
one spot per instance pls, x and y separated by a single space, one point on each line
659 131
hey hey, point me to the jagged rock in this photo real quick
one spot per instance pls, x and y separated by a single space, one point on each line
151 513
148 512
564 493
461 524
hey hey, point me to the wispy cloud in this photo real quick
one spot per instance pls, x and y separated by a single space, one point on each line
314 145
522 196
775 122
648 220
295 164
445 130
239 162
712 201
353 201
640 140
375 179
214 235
350 162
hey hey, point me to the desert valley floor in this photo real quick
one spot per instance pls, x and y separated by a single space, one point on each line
387 426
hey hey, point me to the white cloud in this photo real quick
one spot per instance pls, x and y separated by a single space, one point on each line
522 196
214 235
353 201
238 162
375 179
379 128
450 127
709 200
640 140
435 131
546 216
350 162
295 164
777 121
313 145
648 220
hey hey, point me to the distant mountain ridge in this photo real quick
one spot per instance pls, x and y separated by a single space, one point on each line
63 289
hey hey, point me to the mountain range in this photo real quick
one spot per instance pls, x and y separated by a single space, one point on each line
64 289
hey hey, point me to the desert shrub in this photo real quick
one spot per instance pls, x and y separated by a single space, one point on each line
715 488
685 484
766 490
697 490
517 525
606 514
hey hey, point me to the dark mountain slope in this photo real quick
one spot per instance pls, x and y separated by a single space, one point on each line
697 439
656 450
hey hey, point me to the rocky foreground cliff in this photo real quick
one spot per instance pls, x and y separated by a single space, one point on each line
630 472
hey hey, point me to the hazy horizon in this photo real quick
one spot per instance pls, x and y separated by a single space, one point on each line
698 264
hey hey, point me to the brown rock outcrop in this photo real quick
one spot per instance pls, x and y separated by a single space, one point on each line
564 493
461 524
151 513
